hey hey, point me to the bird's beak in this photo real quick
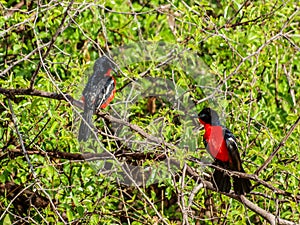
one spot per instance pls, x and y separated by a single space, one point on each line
197 117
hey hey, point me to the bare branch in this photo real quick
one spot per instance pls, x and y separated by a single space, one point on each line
188 170
281 144
33 92
255 208
273 220
14 119
53 39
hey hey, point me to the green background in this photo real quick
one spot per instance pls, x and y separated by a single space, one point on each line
251 55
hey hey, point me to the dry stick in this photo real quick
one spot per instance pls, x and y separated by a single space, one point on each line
291 84
32 92
280 34
15 8
11 202
273 220
77 157
260 211
50 45
136 128
25 153
169 56
253 177
182 197
189 171
162 219
291 42
12 65
257 19
281 144
21 139
13 92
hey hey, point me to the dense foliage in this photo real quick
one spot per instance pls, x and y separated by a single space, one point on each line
240 57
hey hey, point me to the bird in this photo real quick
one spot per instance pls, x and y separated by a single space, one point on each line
221 144
98 93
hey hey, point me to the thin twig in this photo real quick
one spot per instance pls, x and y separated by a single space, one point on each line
11 202
255 208
281 144
21 139
2 73
189 171
54 37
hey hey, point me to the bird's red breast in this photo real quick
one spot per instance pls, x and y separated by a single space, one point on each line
108 72
110 98
216 145
112 95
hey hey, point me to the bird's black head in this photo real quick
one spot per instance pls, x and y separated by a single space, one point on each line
209 116
103 65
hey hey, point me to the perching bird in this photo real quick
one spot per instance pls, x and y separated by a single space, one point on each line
222 146
98 93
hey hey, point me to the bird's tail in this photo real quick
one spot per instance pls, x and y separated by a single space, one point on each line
241 186
84 129
221 181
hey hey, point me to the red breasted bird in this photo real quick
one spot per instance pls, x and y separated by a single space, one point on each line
98 93
222 146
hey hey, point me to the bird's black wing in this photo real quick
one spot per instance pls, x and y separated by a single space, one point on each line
241 185
92 90
232 147
89 96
